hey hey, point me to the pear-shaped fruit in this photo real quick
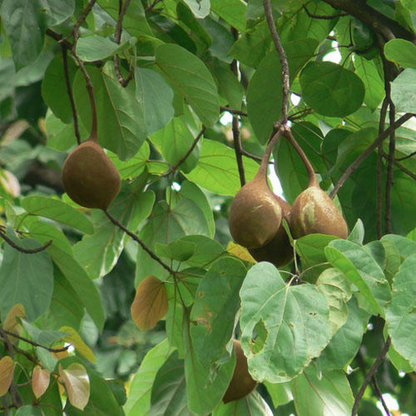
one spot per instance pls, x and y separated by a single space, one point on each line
255 214
313 211
278 251
241 382
90 178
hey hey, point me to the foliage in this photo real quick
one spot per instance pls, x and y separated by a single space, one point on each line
75 287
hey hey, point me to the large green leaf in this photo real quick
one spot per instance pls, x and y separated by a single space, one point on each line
26 279
191 78
215 308
264 95
56 11
84 287
204 387
24 28
217 171
156 96
169 389
232 11
327 394
58 211
121 126
330 89
400 316
361 268
138 402
283 327
403 91
98 253
402 52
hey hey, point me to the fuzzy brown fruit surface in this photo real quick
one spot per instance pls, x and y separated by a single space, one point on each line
313 211
241 382
278 251
90 178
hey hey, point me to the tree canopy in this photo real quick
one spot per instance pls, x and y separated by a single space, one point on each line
149 306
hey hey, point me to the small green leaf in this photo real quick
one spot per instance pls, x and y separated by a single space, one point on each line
179 250
402 52
330 89
96 48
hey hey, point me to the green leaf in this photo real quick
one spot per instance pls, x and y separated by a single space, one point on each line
169 389
251 405
345 343
374 85
200 8
402 52
328 394
191 78
401 316
26 279
121 126
232 11
207 250
264 95
179 250
57 210
405 246
56 11
54 89
24 28
403 91
217 171
204 388
134 166
83 286
98 253
330 89
216 305
44 337
360 268
174 141
95 48
138 402
291 323
156 96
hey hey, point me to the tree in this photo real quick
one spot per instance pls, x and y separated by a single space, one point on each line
133 310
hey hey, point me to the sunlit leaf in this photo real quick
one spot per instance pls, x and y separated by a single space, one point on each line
40 380
77 384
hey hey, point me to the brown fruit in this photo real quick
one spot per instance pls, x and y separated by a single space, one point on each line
90 178
255 214
313 211
278 251
241 382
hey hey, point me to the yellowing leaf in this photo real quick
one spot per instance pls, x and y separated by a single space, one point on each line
75 339
77 384
240 252
150 303
40 380
6 374
11 324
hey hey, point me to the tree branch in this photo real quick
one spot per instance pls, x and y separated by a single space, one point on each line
354 165
370 375
11 243
319 16
117 38
140 242
282 57
232 111
80 21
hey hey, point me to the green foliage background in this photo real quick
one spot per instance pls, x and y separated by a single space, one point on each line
310 331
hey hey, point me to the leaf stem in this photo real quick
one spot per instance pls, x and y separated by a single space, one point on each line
11 243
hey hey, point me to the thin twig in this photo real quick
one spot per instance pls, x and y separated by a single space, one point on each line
69 91
319 16
117 39
390 163
152 5
35 344
233 111
401 167
354 165
370 375
14 393
237 151
80 21
11 243
116 222
399 159
251 156
58 37
379 199
282 57
380 395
